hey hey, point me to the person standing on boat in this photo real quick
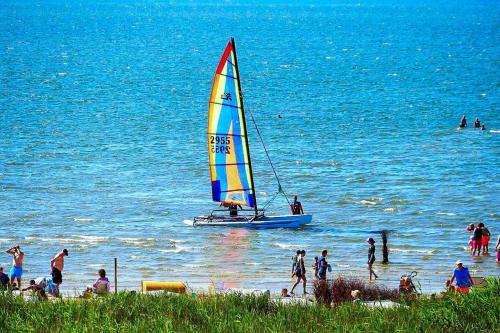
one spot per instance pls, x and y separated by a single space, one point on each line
16 270
463 122
296 207
300 272
57 265
371 257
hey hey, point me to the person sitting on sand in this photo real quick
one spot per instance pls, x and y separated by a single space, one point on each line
462 275
42 286
38 286
477 123
463 122
4 280
356 296
284 293
101 285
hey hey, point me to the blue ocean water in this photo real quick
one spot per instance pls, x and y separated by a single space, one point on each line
103 114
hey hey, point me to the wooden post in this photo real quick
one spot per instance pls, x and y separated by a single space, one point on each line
385 250
116 276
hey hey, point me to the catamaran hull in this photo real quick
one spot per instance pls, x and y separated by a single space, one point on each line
264 222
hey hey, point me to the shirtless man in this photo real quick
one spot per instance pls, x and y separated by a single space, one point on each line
57 265
17 264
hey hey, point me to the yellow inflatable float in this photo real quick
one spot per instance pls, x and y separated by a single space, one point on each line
175 287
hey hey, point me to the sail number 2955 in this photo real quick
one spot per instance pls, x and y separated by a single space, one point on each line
220 144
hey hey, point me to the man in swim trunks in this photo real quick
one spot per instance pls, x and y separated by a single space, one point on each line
300 272
296 207
464 280
17 264
57 265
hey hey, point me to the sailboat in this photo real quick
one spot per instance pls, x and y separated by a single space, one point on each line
229 156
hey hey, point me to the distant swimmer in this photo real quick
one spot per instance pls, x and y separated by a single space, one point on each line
483 128
477 123
279 116
463 122
296 207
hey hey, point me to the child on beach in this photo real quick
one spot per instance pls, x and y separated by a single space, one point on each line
315 267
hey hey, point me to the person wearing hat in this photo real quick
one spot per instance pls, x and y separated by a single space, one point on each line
462 275
371 257
57 265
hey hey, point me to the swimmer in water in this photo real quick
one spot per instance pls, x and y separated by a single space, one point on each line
463 122
477 123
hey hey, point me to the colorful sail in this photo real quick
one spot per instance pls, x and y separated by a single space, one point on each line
229 156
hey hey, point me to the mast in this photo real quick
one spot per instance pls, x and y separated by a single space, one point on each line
244 125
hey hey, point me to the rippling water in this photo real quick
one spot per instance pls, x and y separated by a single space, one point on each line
103 120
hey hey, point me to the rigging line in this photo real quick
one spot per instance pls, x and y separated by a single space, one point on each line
271 200
280 189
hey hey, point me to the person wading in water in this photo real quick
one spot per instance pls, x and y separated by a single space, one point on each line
371 257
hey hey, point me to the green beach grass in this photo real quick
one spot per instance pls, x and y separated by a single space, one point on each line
132 312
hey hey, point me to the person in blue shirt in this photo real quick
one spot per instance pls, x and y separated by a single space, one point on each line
4 280
462 275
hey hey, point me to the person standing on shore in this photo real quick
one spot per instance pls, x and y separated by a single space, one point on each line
57 266
17 264
300 272
464 280
371 257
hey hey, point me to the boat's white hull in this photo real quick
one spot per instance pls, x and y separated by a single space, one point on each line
261 222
